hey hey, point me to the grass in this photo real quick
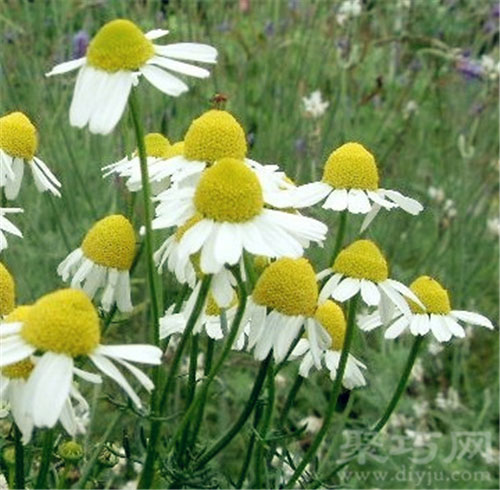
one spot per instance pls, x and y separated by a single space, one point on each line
270 57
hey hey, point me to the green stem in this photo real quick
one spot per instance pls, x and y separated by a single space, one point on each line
260 453
225 439
146 194
48 441
19 458
251 444
193 365
299 380
340 237
148 469
337 385
400 388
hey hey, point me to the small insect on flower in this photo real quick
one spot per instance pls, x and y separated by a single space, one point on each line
331 332
64 326
14 389
362 268
433 314
117 55
231 202
350 181
104 261
18 145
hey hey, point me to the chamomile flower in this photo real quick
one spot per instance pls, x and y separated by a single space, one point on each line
215 135
158 151
284 300
228 204
331 318
13 390
103 261
7 227
7 291
64 325
362 268
116 57
209 320
434 314
18 145
351 182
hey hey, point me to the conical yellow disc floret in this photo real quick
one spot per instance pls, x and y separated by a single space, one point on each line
64 322
332 319
111 243
362 260
229 191
119 45
289 286
157 145
18 136
21 369
351 166
7 291
432 295
176 149
214 135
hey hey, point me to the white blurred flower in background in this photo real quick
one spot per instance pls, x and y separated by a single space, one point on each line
314 105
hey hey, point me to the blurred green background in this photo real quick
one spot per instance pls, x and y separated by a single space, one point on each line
415 81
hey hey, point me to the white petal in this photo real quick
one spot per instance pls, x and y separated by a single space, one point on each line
66 67
12 186
164 81
406 203
369 293
179 67
310 194
472 318
337 200
396 328
188 51
369 217
439 329
155 34
456 329
357 202
347 288
144 353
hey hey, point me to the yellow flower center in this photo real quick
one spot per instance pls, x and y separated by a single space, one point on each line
157 145
7 291
433 296
111 243
351 166
289 286
119 45
213 309
19 314
64 322
18 370
362 260
18 136
214 135
229 191
176 149
332 319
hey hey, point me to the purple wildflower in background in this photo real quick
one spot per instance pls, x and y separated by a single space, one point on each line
469 68
269 28
80 42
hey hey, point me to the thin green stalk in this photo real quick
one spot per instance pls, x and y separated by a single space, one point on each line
193 365
340 237
226 438
260 458
299 380
400 388
89 467
148 469
19 457
251 444
48 441
337 385
146 194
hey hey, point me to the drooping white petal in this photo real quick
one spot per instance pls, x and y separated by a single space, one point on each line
155 34
164 81
337 200
357 202
472 318
144 353
188 51
369 293
396 328
346 289
456 329
13 186
179 67
66 67
406 203
439 329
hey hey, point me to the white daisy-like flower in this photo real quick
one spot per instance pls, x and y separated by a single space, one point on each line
284 300
314 105
362 268
228 205
64 325
117 55
159 151
433 314
216 134
7 291
104 261
209 320
331 327
18 145
13 390
351 182
7 227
